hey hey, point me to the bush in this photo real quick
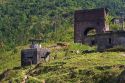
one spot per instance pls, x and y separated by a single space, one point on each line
55 80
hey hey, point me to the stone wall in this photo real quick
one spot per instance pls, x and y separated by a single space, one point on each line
110 40
85 20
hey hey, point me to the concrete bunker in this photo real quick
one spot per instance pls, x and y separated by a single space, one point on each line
35 54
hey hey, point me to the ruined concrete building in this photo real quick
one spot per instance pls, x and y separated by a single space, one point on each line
34 54
95 19
117 20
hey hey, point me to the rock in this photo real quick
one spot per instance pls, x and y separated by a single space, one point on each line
77 52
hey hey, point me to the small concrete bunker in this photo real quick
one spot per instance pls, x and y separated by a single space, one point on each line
34 54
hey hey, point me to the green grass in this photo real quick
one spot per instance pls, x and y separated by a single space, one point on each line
72 68
10 59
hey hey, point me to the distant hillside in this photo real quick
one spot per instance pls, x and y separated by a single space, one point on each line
51 20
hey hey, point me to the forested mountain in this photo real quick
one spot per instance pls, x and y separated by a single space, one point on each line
51 20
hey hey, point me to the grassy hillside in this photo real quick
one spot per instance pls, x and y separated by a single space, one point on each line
52 21
68 67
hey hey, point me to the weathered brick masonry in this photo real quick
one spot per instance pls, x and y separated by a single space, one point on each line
86 20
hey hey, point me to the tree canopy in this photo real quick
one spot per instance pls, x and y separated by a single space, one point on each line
51 20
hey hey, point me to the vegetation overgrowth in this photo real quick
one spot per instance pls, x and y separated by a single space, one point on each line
52 21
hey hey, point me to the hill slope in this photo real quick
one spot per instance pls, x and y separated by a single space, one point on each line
69 67
52 20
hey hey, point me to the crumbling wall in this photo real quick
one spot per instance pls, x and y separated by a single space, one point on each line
110 40
85 20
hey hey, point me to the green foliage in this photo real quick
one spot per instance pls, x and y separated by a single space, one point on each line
73 68
33 80
114 26
78 46
55 80
87 68
50 20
